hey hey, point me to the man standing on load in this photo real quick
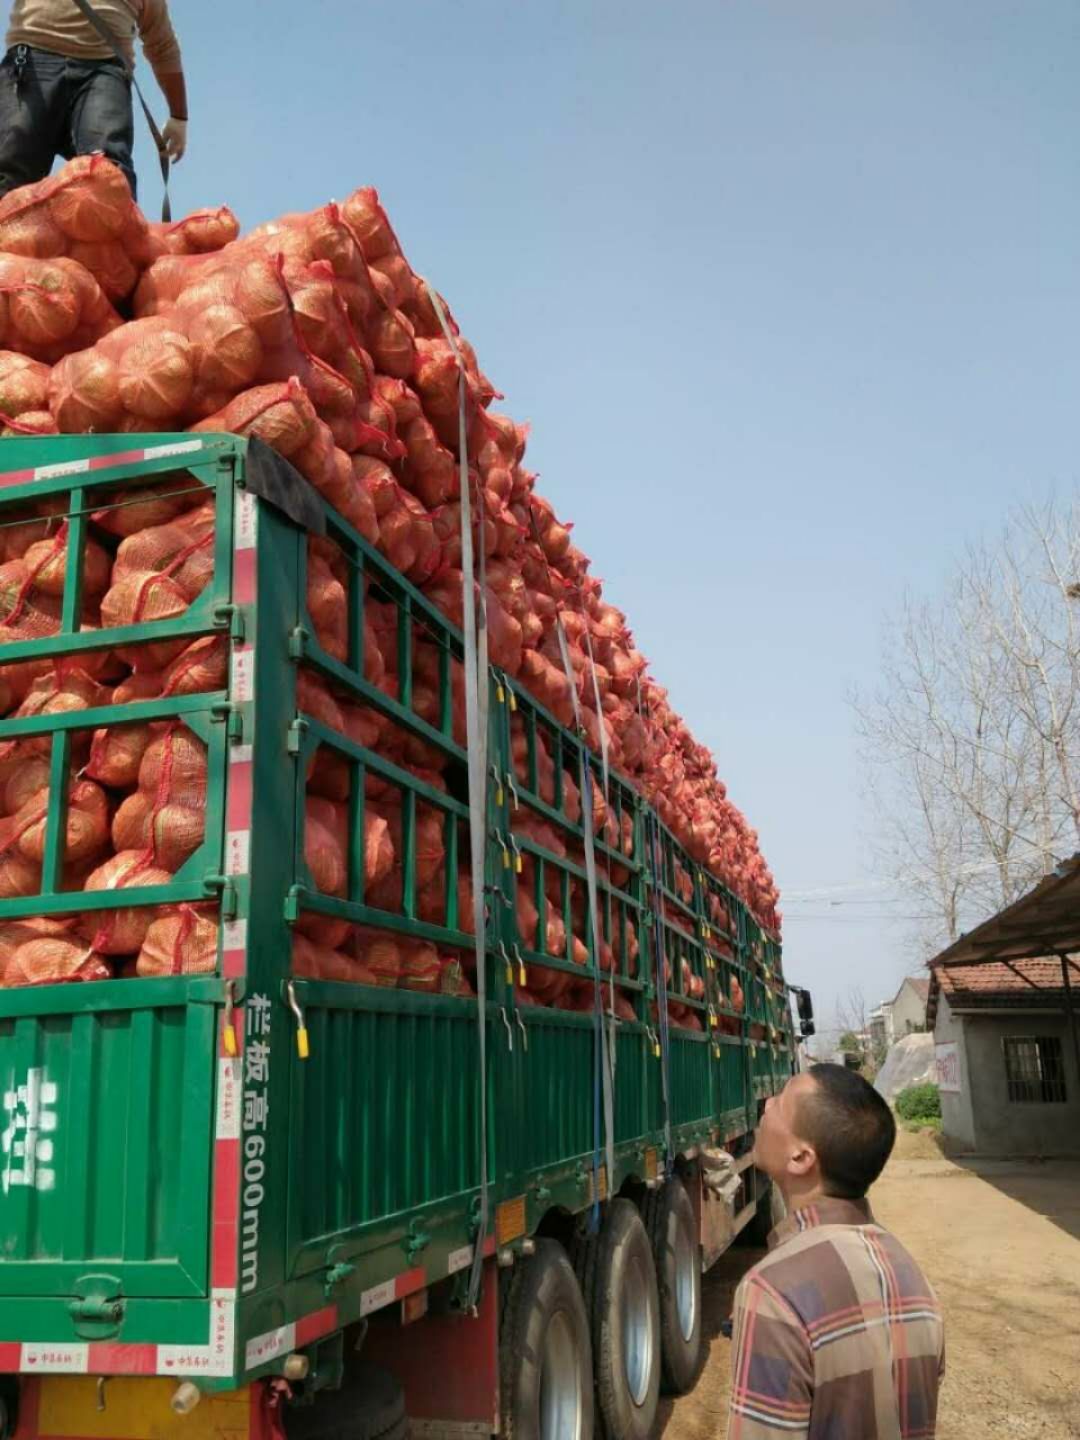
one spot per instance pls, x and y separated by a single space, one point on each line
64 90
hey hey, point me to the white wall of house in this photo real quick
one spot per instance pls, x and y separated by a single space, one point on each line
957 1114
980 1117
908 1011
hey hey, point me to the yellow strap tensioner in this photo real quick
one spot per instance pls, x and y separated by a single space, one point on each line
228 1026
303 1049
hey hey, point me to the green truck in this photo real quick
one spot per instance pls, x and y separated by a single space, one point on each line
256 1198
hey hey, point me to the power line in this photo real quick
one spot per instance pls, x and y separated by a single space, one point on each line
853 919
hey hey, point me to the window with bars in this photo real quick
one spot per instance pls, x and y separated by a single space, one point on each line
1034 1069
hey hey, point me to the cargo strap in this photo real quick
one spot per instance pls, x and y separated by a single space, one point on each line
159 140
604 1084
651 822
607 801
474 626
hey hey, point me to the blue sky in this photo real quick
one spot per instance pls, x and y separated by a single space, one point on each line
788 292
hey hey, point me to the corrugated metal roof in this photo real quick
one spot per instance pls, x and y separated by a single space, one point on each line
1014 957
1045 921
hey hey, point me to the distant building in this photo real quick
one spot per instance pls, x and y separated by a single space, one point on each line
1004 1004
880 1026
904 1014
908 1008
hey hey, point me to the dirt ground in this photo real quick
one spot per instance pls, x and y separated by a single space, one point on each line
1000 1242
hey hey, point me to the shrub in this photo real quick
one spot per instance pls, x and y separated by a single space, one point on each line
919 1102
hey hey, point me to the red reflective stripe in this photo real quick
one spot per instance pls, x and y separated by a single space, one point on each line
238 803
311 1327
410 1281
126 457
226 1211
122 1359
244 577
10 1356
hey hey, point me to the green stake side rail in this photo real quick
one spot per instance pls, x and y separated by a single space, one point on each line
201 1174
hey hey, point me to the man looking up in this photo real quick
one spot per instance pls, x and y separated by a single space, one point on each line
836 1332
64 92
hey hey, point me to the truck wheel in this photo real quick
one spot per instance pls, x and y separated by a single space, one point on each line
621 1297
669 1218
369 1406
545 1356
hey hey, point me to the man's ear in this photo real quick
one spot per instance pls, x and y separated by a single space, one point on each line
802 1158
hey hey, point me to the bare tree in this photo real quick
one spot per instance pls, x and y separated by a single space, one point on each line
972 739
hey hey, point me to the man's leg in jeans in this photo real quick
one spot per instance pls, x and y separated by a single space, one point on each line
101 117
33 112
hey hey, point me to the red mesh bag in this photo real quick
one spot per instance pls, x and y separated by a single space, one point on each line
203 665
174 768
282 415
406 533
198 233
313 961
86 825
14 933
47 561
326 606
26 612
24 385
167 815
53 960
144 371
370 224
382 956
116 752
326 844
29 774
142 507
141 598
185 943
183 551
86 212
395 271
122 932
421 968
432 471
56 692
18 876
50 308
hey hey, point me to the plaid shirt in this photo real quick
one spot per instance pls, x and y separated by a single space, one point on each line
836 1334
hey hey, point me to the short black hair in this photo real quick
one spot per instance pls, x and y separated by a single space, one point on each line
851 1128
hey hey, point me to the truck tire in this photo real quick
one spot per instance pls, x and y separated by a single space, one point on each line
669 1219
619 1280
369 1406
545 1354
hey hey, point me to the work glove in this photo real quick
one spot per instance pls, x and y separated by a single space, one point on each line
175 137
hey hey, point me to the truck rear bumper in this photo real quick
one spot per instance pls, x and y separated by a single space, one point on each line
67 1407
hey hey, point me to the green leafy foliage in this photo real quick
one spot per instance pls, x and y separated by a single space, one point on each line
919 1103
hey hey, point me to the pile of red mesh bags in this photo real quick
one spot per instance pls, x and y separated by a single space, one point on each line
313 333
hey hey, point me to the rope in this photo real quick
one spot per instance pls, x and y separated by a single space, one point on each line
474 627
607 801
660 958
603 1084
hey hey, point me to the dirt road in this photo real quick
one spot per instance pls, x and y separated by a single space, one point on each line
1001 1245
